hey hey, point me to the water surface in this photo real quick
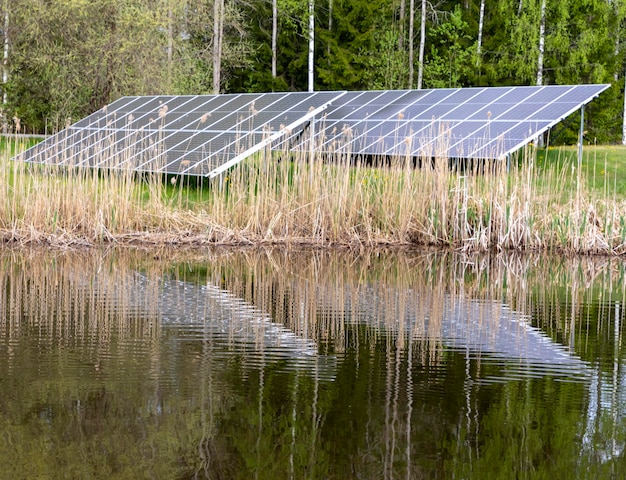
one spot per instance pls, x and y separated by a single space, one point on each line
272 364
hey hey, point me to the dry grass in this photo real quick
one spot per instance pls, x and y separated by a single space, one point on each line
265 201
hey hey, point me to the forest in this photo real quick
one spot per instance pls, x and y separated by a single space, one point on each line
64 59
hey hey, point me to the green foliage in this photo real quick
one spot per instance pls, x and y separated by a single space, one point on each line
386 64
451 58
359 51
69 57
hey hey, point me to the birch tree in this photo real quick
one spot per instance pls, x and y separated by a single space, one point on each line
274 36
420 65
311 56
411 35
481 22
401 23
541 50
330 22
218 39
619 14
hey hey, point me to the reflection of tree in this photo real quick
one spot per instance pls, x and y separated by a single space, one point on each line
320 288
584 310
87 396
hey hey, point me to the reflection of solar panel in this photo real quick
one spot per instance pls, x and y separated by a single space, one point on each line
191 135
451 123
205 135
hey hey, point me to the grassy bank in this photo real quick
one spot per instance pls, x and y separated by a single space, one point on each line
544 202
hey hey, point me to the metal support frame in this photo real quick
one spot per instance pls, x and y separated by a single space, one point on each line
580 136
311 148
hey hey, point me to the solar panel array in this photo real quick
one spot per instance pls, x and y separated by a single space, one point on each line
207 134
474 123
189 135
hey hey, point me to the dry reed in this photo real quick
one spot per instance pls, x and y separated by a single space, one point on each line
321 202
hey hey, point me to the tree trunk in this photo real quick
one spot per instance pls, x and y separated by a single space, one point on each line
616 74
311 43
401 23
624 121
411 35
420 74
274 36
218 34
170 40
5 57
481 21
330 25
542 39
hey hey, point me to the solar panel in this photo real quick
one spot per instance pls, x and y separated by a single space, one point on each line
489 122
190 135
207 134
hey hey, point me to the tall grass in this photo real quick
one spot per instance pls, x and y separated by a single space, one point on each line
292 200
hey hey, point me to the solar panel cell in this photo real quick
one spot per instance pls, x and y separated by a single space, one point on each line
234 103
490 111
461 112
398 98
546 94
521 111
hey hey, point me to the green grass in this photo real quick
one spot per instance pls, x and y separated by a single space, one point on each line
16 144
603 170
603 166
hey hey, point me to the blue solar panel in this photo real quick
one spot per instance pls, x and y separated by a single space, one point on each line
196 135
466 122
204 135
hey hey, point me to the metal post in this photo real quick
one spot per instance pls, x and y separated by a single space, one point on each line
312 139
311 149
580 137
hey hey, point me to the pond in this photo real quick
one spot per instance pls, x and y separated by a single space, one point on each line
310 364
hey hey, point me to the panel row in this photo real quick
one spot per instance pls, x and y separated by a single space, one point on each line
202 135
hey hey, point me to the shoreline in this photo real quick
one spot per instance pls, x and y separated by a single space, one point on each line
192 242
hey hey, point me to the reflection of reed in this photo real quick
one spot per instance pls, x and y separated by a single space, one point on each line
85 305
354 306
67 297
316 295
